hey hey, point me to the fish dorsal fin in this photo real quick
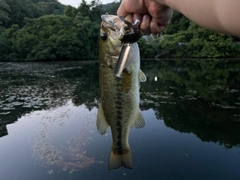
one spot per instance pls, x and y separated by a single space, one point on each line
102 124
141 76
140 122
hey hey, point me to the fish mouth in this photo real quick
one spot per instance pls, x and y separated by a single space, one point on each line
127 32
110 21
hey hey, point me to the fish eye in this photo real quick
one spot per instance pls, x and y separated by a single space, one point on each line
104 36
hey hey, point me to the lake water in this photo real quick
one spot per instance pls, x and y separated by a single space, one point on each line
48 116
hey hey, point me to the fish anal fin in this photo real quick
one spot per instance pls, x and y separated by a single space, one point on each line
139 122
141 76
116 159
102 124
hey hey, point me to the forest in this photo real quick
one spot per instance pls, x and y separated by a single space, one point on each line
46 30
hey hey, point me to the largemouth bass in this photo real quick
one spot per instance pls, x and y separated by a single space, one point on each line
119 107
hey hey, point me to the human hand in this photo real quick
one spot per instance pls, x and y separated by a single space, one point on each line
153 15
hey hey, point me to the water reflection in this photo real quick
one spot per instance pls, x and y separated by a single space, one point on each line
35 86
53 93
70 150
199 96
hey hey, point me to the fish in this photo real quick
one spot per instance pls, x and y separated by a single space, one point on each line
119 96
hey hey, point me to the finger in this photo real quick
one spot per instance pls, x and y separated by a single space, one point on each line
145 24
155 27
137 16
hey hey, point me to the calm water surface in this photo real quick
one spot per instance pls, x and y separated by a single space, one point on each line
191 108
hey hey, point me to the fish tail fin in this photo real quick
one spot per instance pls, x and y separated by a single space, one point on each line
117 159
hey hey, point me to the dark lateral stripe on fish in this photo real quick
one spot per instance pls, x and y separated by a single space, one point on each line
118 123
119 143
119 113
119 136
118 104
119 94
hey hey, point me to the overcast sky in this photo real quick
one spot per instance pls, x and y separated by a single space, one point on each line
76 3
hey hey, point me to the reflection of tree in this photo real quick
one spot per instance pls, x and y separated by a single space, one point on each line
87 92
34 86
196 96
3 129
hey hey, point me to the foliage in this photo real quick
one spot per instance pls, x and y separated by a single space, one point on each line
51 7
205 43
196 41
147 46
110 8
15 11
71 36
6 51
4 13
189 94
174 44
53 37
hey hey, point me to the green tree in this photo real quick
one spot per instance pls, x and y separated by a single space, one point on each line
51 7
96 11
84 8
7 51
88 35
110 8
205 43
147 46
51 37
70 11
20 9
196 41
174 45
5 11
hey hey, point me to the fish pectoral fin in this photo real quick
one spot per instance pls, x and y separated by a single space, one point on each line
141 76
102 124
117 160
139 122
